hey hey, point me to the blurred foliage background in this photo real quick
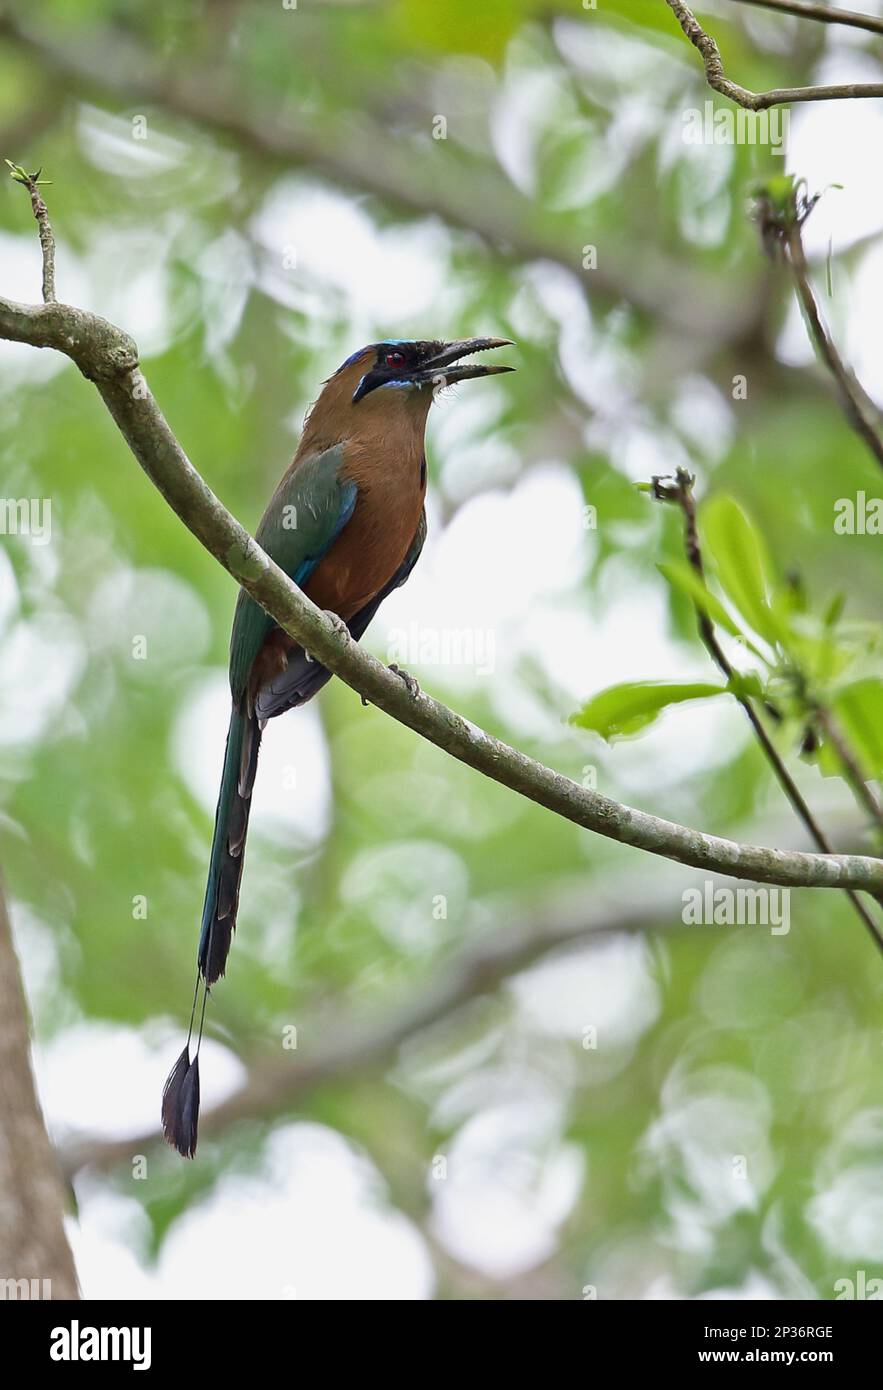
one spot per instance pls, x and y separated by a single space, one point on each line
518 1074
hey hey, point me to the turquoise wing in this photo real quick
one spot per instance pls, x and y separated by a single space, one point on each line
307 513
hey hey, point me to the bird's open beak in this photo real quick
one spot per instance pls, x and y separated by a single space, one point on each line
442 365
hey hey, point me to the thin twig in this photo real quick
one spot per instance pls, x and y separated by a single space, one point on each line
852 772
680 492
856 406
33 183
757 101
825 13
780 221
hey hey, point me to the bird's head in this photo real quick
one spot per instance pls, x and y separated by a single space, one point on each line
396 380
420 367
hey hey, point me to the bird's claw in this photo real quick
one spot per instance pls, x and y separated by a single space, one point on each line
411 683
337 622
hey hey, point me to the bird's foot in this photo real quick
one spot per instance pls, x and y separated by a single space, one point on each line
337 622
412 684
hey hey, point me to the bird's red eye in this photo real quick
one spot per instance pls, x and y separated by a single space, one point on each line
394 359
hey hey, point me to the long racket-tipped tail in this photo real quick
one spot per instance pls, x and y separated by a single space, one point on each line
180 1103
228 845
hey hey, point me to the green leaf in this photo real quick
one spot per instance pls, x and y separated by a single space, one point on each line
779 190
834 610
745 685
859 711
627 708
739 554
684 578
17 172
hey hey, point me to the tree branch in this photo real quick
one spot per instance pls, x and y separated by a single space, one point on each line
680 492
863 792
108 357
756 101
32 183
825 13
856 406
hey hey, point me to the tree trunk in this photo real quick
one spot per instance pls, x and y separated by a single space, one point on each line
35 1258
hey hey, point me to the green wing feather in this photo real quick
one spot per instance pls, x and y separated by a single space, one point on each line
308 511
306 514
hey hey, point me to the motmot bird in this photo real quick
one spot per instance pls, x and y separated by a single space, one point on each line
347 524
